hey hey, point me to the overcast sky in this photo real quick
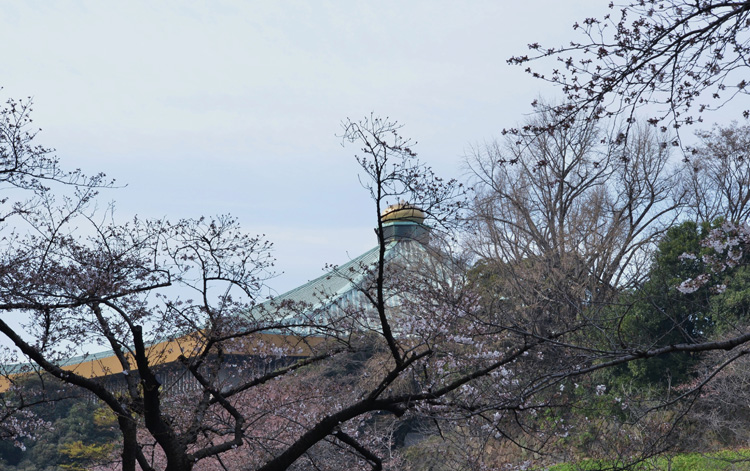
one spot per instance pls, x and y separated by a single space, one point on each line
205 108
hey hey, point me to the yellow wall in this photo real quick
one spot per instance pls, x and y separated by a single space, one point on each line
169 351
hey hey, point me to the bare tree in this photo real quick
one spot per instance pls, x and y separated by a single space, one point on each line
564 226
720 170
566 220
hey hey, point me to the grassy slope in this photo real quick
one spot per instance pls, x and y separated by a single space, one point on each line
727 460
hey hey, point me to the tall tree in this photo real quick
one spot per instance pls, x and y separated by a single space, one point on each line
566 219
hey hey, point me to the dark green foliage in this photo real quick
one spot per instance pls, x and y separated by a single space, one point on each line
731 308
72 418
658 314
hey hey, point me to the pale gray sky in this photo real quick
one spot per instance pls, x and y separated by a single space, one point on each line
233 107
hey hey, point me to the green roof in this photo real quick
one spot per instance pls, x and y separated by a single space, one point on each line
340 280
340 293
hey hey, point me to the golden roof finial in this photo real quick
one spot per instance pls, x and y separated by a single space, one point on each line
402 212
